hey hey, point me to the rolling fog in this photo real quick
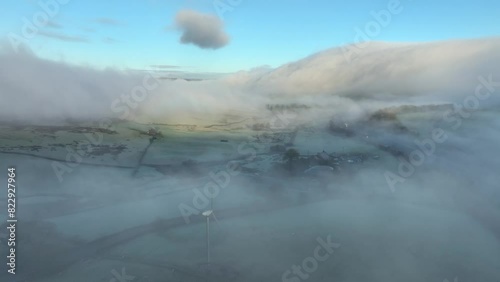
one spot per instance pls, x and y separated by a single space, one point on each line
375 76
436 221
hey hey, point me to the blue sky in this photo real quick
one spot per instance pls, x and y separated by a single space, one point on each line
136 34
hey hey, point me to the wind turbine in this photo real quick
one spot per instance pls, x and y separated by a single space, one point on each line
210 269
207 214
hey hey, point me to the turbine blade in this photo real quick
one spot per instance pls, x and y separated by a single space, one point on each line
216 220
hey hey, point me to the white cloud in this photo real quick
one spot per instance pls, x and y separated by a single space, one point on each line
203 30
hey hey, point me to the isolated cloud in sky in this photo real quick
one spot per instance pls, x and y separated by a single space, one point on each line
62 37
203 30
107 21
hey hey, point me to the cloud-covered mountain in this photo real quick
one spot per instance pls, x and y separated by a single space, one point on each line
381 70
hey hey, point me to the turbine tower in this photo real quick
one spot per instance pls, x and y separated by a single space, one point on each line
207 214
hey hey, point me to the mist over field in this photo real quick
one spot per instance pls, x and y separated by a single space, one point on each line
386 157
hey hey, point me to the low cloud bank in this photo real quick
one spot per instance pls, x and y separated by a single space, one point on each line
381 74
